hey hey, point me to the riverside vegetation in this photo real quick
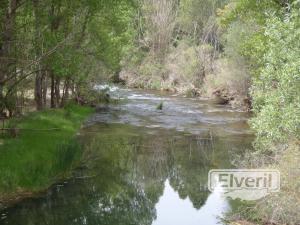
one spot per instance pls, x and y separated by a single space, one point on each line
242 52
44 151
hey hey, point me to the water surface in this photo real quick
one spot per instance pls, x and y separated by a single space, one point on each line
144 166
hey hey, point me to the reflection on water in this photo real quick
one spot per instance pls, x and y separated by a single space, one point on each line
173 210
134 175
143 172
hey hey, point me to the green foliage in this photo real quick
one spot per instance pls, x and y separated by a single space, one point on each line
266 34
111 31
188 64
187 59
174 44
150 72
194 15
244 22
70 42
247 10
276 92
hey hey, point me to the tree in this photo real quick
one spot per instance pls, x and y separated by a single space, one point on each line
50 42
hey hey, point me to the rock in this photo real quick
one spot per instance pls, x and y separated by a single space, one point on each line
220 100
247 103
160 106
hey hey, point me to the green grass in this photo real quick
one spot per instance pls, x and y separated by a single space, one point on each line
35 159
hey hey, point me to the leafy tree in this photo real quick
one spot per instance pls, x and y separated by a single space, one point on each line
49 43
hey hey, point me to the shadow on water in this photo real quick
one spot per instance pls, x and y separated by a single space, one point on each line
143 167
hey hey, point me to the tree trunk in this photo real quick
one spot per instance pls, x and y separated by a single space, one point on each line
38 91
57 92
52 101
7 64
44 88
65 92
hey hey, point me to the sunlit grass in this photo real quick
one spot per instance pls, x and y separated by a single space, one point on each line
34 159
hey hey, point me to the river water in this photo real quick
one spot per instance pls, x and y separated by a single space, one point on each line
144 166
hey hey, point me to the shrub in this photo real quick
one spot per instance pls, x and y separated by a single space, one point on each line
276 92
188 64
276 102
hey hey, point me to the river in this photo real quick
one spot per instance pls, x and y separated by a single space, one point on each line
144 166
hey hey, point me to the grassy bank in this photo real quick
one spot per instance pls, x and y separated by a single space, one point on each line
39 155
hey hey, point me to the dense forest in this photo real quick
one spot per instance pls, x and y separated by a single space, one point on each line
244 53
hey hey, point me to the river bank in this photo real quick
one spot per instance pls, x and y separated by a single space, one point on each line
38 150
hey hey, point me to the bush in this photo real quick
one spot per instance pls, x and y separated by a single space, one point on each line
284 207
183 69
232 79
281 207
276 92
276 102
187 64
